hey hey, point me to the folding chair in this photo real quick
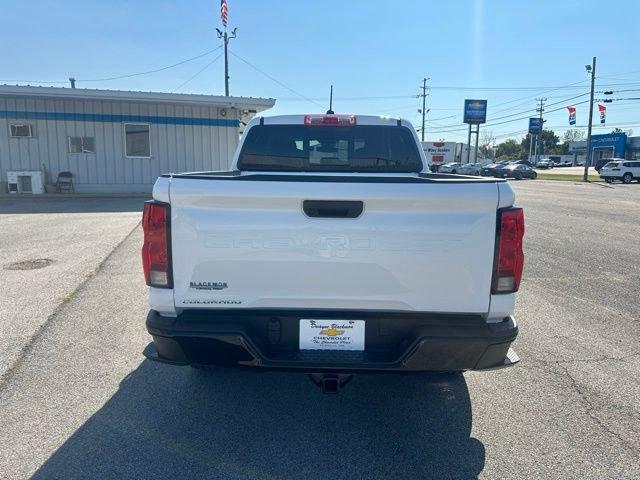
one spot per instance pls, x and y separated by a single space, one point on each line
65 182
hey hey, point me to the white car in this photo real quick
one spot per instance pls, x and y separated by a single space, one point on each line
469 169
623 170
452 167
544 164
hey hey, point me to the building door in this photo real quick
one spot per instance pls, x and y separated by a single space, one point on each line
600 153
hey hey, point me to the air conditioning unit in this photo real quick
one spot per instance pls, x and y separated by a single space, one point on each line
26 182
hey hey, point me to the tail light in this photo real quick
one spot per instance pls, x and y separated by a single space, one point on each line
156 253
509 259
338 120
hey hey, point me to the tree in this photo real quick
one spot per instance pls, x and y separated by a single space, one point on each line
487 141
508 150
568 137
573 136
549 143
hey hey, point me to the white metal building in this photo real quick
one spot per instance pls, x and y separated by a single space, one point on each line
115 141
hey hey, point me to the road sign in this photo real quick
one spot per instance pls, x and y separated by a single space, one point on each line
475 111
535 125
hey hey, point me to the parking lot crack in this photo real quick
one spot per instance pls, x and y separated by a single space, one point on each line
588 404
590 411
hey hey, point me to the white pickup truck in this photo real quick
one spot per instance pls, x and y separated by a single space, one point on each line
330 249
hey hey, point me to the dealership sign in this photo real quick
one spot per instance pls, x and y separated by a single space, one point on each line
535 125
475 111
615 143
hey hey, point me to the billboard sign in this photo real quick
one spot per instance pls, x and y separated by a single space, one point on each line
475 111
535 125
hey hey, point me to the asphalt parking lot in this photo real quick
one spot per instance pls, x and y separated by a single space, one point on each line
82 402
71 237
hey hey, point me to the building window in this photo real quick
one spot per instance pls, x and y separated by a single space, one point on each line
19 130
82 145
137 142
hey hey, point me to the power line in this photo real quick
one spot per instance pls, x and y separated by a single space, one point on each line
530 110
182 62
514 100
506 121
197 73
118 77
275 80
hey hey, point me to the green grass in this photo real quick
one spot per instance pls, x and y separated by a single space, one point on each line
567 177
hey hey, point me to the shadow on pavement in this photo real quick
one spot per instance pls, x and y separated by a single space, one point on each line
26 205
171 422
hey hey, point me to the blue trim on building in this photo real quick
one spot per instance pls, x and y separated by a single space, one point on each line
97 117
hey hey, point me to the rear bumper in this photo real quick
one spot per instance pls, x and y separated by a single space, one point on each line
395 341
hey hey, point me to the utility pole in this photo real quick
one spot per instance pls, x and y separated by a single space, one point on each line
539 144
424 105
590 69
225 38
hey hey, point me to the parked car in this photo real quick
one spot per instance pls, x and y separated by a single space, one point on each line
622 170
544 164
491 169
603 161
451 167
517 171
469 169
288 283
523 162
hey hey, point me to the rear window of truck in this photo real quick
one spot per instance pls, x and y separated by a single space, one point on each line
306 148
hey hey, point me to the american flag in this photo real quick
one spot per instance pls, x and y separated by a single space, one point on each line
224 12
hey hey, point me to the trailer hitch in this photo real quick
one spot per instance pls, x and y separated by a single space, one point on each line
330 382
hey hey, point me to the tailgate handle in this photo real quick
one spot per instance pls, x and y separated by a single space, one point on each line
333 208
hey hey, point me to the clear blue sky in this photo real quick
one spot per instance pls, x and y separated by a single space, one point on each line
366 48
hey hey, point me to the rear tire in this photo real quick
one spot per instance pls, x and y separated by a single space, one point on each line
454 172
627 177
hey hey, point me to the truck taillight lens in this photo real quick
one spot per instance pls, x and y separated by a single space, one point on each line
156 259
509 261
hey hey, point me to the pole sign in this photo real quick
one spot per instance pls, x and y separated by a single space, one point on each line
572 115
535 125
475 112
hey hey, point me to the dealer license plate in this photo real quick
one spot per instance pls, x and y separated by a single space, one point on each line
331 334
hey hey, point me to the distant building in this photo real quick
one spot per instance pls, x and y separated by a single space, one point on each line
116 141
608 145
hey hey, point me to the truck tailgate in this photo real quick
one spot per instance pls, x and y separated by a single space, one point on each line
415 247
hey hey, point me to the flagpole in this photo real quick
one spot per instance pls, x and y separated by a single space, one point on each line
226 64
225 38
